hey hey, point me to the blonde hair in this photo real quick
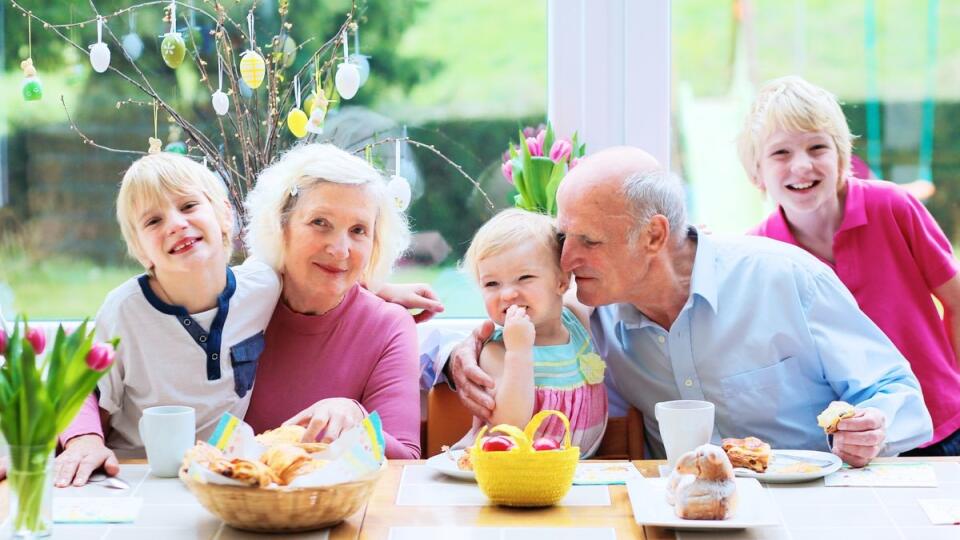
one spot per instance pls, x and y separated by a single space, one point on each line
793 104
508 229
270 204
151 179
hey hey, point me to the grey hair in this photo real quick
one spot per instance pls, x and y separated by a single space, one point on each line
654 192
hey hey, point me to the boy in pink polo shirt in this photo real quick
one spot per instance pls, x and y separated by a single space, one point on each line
882 243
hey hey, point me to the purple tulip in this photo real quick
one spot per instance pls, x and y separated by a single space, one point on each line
561 150
100 356
535 147
507 170
3 341
573 163
37 339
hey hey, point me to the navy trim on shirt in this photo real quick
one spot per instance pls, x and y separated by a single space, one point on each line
208 341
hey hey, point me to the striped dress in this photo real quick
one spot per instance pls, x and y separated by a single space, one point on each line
568 378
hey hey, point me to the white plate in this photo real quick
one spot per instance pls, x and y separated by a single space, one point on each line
827 462
650 507
442 463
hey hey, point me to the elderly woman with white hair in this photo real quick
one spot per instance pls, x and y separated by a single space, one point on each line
334 351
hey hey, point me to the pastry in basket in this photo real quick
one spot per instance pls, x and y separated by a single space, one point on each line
252 473
749 453
285 461
290 434
710 492
203 454
833 414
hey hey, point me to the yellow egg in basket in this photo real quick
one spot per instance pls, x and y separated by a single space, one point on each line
523 476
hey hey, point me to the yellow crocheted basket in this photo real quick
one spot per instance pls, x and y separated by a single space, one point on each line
523 476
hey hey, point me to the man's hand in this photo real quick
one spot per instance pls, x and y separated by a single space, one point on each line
860 438
413 296
330 416
81 456
474 386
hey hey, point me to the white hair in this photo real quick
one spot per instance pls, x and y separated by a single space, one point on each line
270 204
652 192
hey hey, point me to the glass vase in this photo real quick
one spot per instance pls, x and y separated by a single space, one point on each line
30 480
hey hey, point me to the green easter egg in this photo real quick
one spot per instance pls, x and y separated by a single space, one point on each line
173 50
289 51
32 89
176 147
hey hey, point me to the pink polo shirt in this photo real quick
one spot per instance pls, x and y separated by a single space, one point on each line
891 254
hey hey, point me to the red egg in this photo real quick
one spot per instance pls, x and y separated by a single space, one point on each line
545 443
497 443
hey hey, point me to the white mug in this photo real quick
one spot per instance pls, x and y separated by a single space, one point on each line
684 425
167 433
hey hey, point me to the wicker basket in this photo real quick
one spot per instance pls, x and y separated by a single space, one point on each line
283 509
523 476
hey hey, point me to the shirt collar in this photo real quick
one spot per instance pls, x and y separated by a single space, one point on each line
703 283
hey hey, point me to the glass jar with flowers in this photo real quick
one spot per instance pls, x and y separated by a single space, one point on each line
39 396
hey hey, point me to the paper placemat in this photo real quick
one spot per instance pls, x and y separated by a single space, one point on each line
421 486
501 533
611 473
912 474
96 509
942 511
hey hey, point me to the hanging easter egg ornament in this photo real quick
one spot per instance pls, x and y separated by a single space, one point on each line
289 51
398 187
174 144
172 48
348 76
296 118
252 66
220 101
360 60
308 103
32 88
316 104
99 52
132 44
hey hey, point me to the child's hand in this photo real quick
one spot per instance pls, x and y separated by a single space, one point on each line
518 329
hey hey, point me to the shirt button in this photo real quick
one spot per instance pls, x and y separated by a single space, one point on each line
186 322
688 383
214 356
203 339
661 339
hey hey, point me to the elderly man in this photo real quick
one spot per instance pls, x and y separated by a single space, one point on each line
759 328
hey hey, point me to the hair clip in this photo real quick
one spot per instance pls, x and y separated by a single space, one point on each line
294 191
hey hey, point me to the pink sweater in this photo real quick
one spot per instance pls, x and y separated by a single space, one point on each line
365 349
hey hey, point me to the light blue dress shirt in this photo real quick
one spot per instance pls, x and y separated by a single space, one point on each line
770 336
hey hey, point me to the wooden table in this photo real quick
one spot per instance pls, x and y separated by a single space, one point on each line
809 512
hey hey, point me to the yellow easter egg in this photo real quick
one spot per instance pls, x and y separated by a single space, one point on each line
297 123
252 68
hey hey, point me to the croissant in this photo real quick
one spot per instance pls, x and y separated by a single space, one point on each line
252 473
285 460
283 434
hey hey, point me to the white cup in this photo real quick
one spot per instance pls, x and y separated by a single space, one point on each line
167 433
684 425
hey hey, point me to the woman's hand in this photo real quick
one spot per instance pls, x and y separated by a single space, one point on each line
518 330
81 456
413 296
330 416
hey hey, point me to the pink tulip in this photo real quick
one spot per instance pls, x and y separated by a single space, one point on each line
561 150
37 339
100 356
573 163
541 135
507 170
3 341
536 149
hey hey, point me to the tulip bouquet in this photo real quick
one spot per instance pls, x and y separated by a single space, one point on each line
537 165
38 399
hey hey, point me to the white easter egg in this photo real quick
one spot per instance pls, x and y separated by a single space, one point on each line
100 57
347 80
133 45
399 189
221 103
